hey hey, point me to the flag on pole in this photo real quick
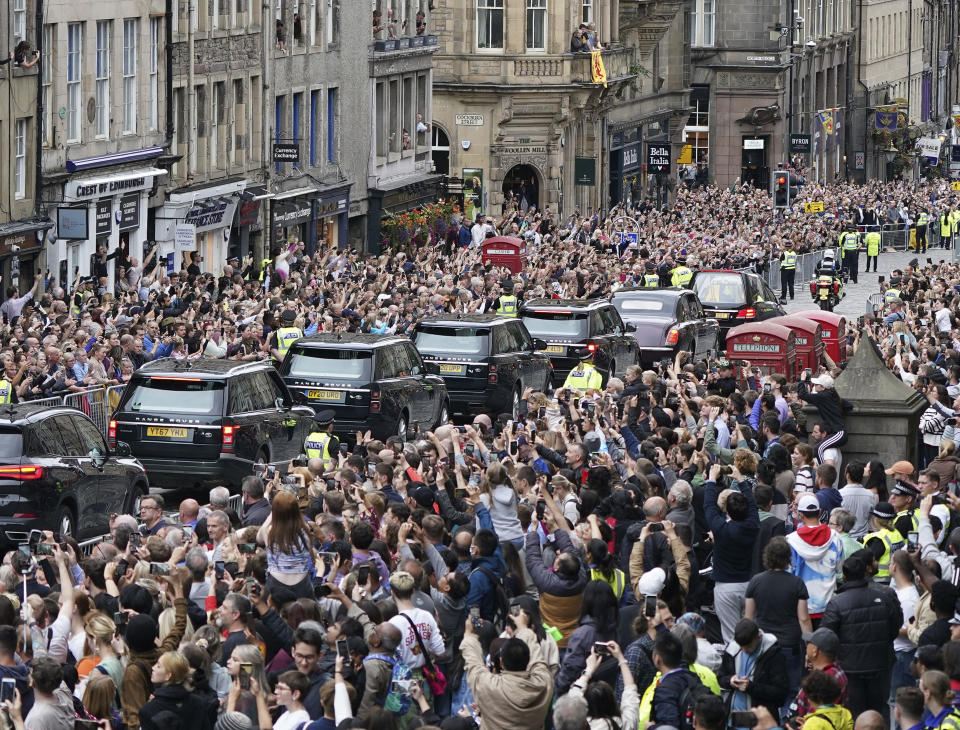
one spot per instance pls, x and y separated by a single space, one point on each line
886 118
598 70
827 125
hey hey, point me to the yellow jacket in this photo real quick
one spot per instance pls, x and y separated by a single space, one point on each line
829 717
584 379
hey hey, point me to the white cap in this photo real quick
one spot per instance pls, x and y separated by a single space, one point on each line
808 503
824 380
651 582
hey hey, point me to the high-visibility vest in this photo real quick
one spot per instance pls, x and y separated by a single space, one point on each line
618 582
263 267
922 219
317 446
789 260
681 276
953 218
944 225
890 295
872 240
914 522
707 677
850 241
584 378
651 280
508 306
6 388
286 336
892 541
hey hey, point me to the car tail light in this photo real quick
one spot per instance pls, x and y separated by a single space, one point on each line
24 473
374 401
228 439
112 434
591 347
748 313
672 336
24 516
492 376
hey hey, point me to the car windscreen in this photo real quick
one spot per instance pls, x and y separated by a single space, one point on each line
548 324
452 340
353 365
720 289
11 443
641 305
164 394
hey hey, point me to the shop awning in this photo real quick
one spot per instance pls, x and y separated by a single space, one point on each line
296 193
256 192
196 193
116 158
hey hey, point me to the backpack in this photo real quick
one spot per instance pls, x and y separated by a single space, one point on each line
396 702
688 700
501 604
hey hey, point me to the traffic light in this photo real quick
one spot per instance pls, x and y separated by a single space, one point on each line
780 188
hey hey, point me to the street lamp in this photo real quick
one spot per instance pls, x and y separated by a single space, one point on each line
891 153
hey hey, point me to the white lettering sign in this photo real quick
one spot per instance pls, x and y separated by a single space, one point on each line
929 147
753 144
469 120
186 236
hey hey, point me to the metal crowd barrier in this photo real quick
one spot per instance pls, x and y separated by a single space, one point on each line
98 403
874 303
806 268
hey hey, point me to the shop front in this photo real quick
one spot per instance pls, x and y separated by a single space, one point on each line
333 217
20 252
392 200
198 218
625 162
103 211
247 228
291 218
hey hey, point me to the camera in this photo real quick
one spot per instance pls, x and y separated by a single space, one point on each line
655 527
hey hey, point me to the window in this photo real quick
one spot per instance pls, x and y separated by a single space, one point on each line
536 25
315 127
297 105
19 21
46 77
586 14
332 113
278 126
393 120
74 71
702 17
20 166
217 117
104 29
382 129
333 21
408 123
489 23
239 123
256 126
154 73
130 75
697 131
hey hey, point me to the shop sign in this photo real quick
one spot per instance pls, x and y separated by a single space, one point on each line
23 240
81 190
584 171
186 237
286 152
293 215
249 211
209 214
753 144
631 157
104 216
800 143
524 149
128 214
658 158
331 207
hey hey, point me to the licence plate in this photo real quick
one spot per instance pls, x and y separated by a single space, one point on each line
554 349
167 433
327 396
446 369
722 315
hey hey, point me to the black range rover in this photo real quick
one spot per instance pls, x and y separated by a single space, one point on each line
206 422
375 382
57 473
486 360
568 325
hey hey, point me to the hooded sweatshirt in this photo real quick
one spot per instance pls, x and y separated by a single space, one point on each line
829 717
817 555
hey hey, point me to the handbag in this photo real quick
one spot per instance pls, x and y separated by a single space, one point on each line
435 677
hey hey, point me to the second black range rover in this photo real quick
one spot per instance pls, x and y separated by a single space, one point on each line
375 382
206 422
486 360
569 325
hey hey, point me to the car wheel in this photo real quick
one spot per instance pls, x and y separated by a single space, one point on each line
444 415
133 505
66 524
401 429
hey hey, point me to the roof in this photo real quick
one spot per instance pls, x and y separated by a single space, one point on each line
466 319
564 303
358 341
671 292
203 366
19 413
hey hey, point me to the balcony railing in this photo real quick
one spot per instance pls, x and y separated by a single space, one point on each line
395 45
616 62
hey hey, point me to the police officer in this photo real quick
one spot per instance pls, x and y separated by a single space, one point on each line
944 229
921 223
788 272
681 274
585 376
651 279
903 497
893 291
7 393
321 443
872 240
884 541
506 304
281 340
850 248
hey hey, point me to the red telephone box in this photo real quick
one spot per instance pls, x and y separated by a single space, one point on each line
833 330
809 340
505 251
766 345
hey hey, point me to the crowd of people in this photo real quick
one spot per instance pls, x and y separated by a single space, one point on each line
685 547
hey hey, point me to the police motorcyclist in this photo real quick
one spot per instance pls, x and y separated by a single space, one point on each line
827 276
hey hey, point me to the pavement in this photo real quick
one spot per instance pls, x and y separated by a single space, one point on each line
854 303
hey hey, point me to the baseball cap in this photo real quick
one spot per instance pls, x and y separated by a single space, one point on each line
824 639
808 503
900 467
823 380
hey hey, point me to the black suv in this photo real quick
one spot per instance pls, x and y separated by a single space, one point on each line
56 473
197 423
569 325
734 298
486 360
375 382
